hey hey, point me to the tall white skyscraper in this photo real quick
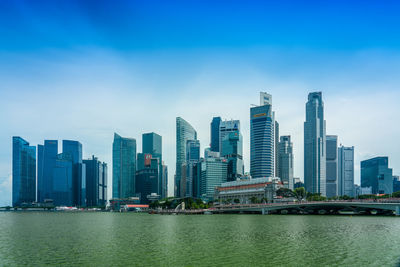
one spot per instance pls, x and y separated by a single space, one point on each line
346 171
315 145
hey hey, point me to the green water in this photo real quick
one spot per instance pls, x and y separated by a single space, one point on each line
130 239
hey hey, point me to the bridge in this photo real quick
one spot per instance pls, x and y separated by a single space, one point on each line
369 207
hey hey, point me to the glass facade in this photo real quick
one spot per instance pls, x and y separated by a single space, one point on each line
148 182
375 173
62 192
286 161
315 145
331 165
227 127
23 172
232 151
124 167
215 134
74 149
184 132
262 140
152 144
96 182
47 156
214 172
346 171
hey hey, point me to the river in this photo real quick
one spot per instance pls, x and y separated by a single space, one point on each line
132 239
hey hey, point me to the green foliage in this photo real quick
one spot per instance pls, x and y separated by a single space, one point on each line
285 192
236 200
254 200
300 193
315 197
396 194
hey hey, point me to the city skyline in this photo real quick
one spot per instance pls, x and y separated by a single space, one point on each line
87 88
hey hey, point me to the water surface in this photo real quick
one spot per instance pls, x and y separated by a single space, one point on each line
131 239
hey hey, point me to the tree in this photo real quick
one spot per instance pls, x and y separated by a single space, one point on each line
254 200
285 192
300 193
236 200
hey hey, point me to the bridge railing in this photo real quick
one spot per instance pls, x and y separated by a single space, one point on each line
259 205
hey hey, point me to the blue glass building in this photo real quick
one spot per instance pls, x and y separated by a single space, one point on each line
96 182
148 182
24 172
152 144
47 156
74 149
124 167
184 132
232 150
262 139
376 173
315 145
62 192
215 134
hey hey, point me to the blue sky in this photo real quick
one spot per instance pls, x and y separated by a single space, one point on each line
84 69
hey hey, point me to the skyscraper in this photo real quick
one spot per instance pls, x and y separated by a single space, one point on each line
213 173
62 192
226 127
277 174
192 158
215 134
376 173
232 151
96 182
184 132
47 156
152 144
23 172
331 165
147 180
124 167
286 161
346 171
315 145
262 138
74 149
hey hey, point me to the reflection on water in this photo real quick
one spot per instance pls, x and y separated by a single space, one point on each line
110 239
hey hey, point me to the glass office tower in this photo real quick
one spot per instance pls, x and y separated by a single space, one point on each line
23 172
232 151
152 144
215 134
96 182
227 127
47 156
376 173
74 149
315 145
262 138
124 167
184 132
346 171
331 165
286 161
